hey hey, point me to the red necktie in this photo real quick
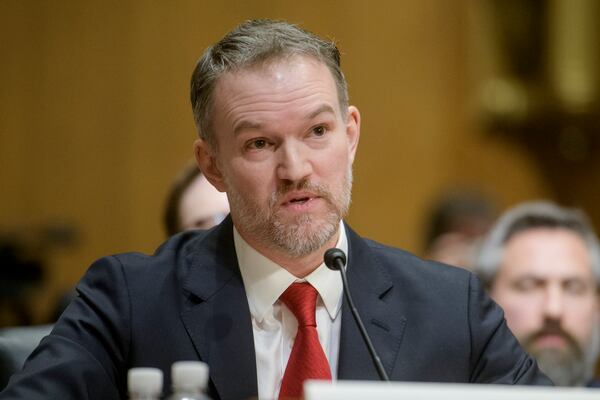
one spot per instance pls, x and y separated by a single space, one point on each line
307 360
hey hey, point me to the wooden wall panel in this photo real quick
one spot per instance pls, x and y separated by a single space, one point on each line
96 117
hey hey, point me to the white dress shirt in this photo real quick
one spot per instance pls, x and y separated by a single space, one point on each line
274 325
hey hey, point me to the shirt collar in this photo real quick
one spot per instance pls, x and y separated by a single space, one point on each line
265 281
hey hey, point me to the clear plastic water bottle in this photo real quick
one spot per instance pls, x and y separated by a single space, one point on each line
190 380
144 383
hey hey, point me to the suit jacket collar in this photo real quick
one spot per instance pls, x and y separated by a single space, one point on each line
369 284
219 323
218 317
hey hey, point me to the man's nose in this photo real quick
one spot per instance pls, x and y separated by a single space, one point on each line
293 162
554 303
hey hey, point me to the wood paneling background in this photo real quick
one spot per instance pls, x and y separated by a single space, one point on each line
95 118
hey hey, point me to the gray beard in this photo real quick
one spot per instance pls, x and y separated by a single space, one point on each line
563 368
295 241
574 366
298 238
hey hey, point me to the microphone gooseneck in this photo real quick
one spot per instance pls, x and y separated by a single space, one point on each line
335 259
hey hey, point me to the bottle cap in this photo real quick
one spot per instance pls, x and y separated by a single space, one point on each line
190 375
145 380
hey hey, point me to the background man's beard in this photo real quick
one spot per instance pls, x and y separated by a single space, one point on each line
301 236
563 367
572 366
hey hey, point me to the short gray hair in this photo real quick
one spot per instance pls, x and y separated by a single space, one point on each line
252 43
531 215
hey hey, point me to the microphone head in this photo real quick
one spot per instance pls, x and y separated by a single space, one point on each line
331 259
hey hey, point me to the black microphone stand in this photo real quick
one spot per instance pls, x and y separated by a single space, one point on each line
335 259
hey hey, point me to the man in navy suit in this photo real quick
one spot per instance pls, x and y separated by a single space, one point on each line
276 133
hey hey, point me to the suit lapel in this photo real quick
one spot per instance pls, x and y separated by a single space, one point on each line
369 284
218 319
219 324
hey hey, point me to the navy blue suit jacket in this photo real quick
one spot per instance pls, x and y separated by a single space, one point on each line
429 322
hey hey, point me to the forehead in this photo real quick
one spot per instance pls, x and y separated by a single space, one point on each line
546 252
274 85
299 63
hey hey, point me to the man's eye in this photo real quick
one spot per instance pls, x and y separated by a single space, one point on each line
575 286
527 284
319 130
257 144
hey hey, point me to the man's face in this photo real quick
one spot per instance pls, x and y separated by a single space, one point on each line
284 153
547 289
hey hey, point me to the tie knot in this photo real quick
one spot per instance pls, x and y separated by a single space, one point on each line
301 299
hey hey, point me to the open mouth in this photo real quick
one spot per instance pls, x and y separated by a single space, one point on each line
299 200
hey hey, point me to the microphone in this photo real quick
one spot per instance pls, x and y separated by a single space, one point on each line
335 259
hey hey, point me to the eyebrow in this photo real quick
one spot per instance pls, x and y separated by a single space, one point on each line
245 125
252 125
324 108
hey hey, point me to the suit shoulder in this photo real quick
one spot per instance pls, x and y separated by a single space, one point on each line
401 262
171 257
175 247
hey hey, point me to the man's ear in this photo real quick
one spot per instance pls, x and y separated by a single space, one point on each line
353 130
207 163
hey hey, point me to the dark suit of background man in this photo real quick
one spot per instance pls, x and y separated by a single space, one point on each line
278 136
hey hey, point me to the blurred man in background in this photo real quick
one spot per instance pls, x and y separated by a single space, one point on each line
455 226
193 203
541 263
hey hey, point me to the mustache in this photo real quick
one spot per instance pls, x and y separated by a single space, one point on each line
551 327
303 185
